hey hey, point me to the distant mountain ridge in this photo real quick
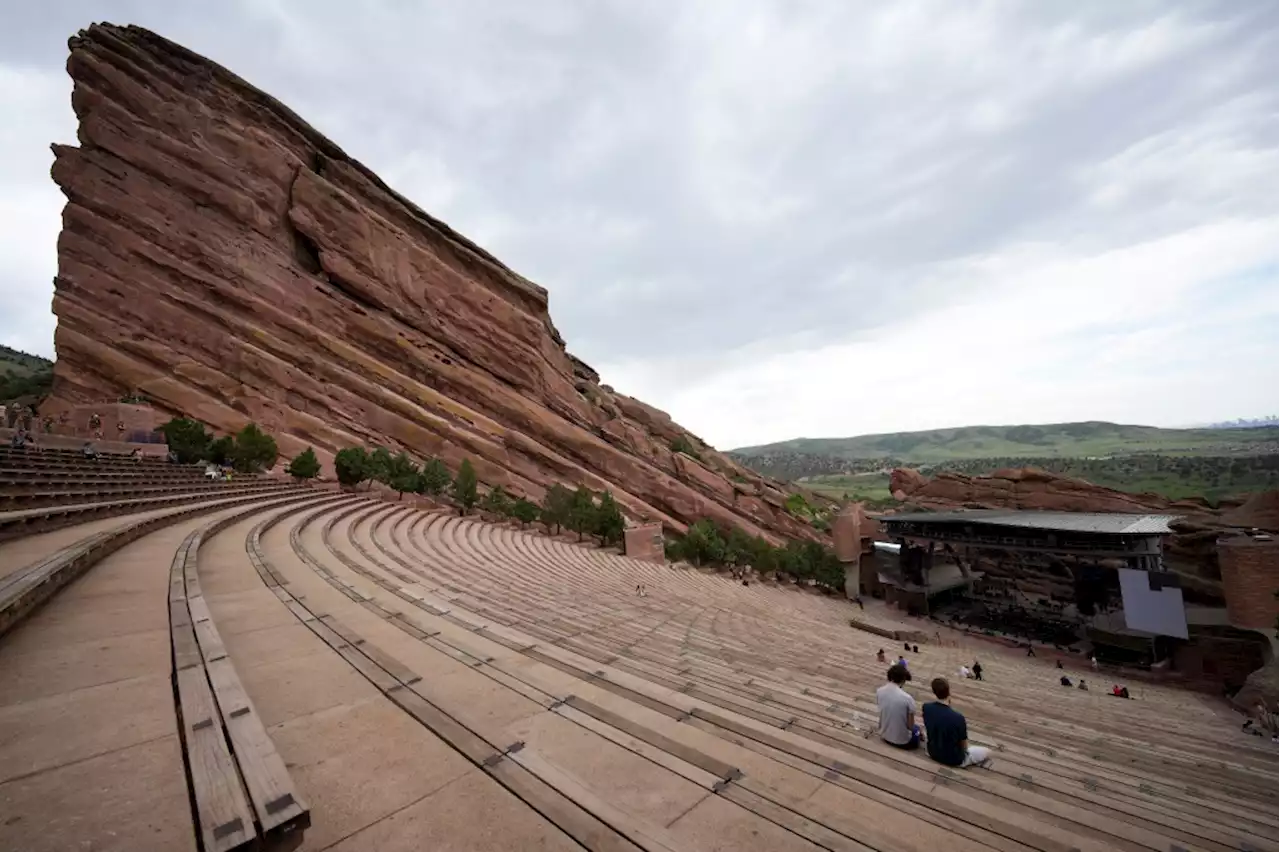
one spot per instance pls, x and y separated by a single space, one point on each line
1246 423
1088 439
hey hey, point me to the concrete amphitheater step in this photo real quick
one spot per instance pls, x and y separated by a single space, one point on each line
1180 838
89 746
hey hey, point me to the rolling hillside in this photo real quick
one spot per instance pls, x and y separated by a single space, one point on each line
23 375
1090 439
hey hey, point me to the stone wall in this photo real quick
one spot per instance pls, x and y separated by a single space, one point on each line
645 542
1250 580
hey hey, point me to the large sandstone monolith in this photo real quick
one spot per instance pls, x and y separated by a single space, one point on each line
221 257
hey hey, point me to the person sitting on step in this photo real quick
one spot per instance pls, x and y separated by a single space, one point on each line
947 733
1081 685
898 711
1064 680
88 451
880 656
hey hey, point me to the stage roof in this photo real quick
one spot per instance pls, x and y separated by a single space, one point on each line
1106 523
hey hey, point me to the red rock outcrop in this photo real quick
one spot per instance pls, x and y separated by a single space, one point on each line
226 260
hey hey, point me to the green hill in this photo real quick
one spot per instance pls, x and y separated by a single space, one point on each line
1091 439
23 375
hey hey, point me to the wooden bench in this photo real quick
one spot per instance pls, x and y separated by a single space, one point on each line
243 795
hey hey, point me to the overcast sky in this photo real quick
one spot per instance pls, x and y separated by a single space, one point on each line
784 219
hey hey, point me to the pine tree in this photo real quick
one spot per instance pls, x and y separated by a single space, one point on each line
351 465
464 487
582 510
609 524
305 465
554 511
497 502
253 450
402 474
434 477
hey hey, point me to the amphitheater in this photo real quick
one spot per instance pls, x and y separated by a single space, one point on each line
259 664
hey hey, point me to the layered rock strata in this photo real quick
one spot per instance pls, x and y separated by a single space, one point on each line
228 261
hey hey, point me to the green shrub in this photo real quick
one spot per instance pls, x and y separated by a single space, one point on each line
187 438
351 465
305 465
253 450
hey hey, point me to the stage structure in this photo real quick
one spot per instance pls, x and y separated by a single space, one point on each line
1076 564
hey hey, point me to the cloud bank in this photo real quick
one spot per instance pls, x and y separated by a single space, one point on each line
782 219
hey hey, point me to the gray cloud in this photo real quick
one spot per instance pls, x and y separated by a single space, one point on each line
692 181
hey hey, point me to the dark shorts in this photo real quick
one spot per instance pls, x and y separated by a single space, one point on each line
910 745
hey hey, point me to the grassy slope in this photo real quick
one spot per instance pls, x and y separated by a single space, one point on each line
22 374
1059 439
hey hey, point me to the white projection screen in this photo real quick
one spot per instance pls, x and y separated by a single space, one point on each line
1152 610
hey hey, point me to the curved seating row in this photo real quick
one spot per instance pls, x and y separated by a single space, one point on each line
352 673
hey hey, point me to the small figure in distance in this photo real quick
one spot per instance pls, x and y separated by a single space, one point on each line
915 649
1031 651
1064 680
948 734
965 673
906 646
977 670
880 656
1093 662
1059 663
858 600
1081 685
897 708
88 451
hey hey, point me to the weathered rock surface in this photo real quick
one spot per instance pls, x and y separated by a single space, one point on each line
225 259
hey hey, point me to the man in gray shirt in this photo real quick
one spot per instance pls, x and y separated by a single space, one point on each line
898 711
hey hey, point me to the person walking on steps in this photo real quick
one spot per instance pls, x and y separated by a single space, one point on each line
898 712
977 670
947 734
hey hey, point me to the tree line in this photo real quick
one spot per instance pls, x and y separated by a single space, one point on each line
707 544
582 510
249 451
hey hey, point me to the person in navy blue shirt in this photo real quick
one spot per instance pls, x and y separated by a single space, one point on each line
947 734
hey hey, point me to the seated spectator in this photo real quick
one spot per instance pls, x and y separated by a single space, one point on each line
18 439
880 656
136 453
88 451
902 661
172 457
906 646
1031 651
1081 685
1064 680
915 649
898 711
1059 663
965 673
947 734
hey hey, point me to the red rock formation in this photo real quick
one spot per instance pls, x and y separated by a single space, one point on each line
1258 511
1024 488
225 259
